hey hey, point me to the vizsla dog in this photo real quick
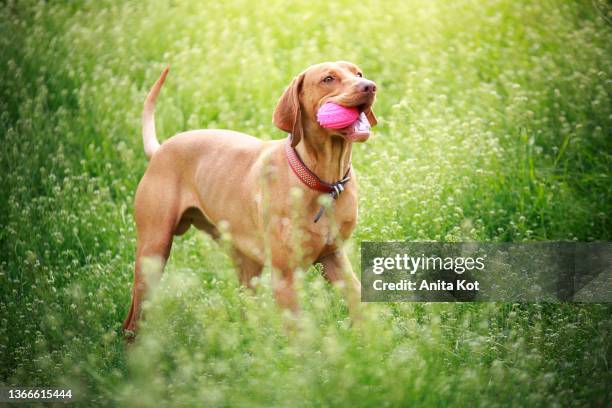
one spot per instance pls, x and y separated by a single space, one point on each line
265 195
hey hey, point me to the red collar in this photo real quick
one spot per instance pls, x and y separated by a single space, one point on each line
309 178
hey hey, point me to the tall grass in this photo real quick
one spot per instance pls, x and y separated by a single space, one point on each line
494 126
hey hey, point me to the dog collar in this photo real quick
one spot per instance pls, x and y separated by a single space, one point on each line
311 180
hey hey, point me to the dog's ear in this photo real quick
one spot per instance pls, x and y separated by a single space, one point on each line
288 113
371 117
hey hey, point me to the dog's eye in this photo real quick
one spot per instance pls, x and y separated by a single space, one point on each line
328 78
360 75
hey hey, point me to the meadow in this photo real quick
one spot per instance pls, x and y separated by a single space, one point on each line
494 125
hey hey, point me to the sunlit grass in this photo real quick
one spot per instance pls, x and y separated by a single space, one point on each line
494 126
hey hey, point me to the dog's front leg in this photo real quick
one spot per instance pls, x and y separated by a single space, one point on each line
338 271
284 290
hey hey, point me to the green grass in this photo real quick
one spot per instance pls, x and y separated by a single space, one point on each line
494 126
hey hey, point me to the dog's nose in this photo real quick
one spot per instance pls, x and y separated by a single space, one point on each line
366 86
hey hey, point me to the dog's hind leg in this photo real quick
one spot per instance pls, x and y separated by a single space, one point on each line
151 256
155 224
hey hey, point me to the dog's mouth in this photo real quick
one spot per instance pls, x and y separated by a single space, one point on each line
358 131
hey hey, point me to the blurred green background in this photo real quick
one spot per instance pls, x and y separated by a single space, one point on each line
494 126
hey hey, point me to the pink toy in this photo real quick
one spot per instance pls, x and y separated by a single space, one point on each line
334 116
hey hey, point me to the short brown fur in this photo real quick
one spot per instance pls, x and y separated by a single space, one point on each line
225 180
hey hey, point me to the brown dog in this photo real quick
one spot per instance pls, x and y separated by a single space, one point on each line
225 181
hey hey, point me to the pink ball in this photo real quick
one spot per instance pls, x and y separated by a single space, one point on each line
334 116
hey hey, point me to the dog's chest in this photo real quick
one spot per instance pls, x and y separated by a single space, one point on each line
337 223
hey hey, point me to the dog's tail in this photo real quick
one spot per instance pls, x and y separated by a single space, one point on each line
148 117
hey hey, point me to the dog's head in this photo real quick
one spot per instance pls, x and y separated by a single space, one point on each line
340 82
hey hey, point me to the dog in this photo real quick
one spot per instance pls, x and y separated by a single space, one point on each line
264 195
